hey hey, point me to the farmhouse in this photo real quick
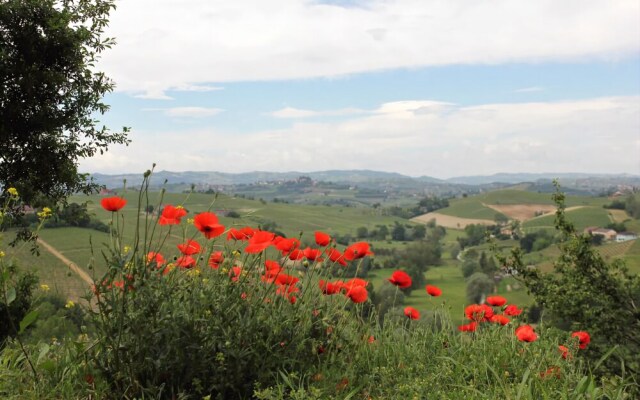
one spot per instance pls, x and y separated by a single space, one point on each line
609 234
625 236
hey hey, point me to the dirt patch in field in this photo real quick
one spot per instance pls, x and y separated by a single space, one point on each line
619 215
522 212
449 221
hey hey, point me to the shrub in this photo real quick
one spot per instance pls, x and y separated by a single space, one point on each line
587 293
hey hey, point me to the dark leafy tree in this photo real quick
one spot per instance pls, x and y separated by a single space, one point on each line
50 94
398 232
479 285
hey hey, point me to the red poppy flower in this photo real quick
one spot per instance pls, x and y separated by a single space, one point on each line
354 282
499 319
496 301
287 280
185 262
401 279
259 241
552 371
564 351
525 333
171 215
336 256
207 223
235 234
296 254
371 339
312 254
190 247
433 290
285 245
329 288
478 312
512 310
411 313
240 234
285 290
155 257
357 250
470 327
583 337
357 294
271 266
322 239
234 273
113 204
215 259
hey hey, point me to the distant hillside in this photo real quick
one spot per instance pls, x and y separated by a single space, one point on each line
224 178
575 183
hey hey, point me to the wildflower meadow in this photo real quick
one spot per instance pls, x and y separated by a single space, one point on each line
236 312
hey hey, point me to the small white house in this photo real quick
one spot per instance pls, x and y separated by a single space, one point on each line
625 236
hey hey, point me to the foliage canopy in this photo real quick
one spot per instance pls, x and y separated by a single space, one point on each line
50 93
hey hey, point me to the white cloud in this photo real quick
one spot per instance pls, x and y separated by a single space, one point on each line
448 140
165 44
187 112
295 113
187 87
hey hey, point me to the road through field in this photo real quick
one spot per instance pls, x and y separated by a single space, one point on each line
72 266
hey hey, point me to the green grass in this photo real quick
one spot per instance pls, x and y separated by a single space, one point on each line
581 217
449 278
471 207
50 270
632 257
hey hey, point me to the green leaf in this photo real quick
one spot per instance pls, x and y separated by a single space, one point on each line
28 320
48 365
11 295
44 350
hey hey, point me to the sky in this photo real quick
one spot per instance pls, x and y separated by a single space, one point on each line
440 88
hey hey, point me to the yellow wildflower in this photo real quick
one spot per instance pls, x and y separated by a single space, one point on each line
13 191
126 249
70 304
44 288
2 254
45 213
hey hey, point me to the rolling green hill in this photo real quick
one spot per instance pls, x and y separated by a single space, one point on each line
581 217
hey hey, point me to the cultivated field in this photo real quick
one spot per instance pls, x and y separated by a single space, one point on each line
522 212
450 221
582 217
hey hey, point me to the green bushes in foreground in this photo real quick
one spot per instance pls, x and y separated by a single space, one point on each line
243 313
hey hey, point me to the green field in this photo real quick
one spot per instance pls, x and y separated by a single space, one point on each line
449 278
473 206
469 208
50 271
581 217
